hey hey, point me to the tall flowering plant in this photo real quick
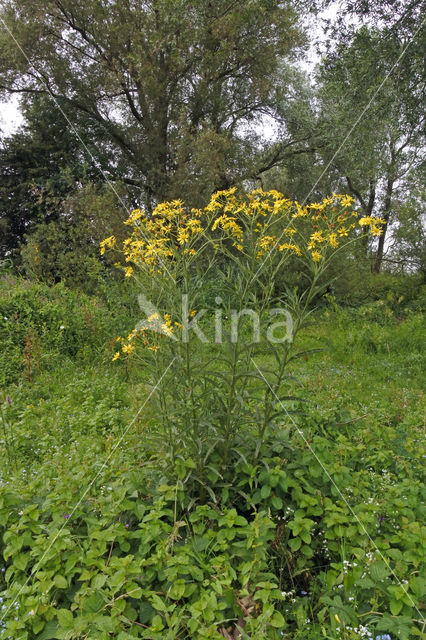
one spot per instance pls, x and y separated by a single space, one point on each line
219 373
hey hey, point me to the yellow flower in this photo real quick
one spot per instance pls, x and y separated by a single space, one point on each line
116 356
317 206
290 247
108 242
128 348
194 226
166 329
301 211
134 216
317 237
316 256
366 220
183 235
227 223
332 238
128 271
369 220
154 348
346 201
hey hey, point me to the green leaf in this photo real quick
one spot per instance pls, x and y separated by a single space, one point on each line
294 544
146 612
307 551
276 502
50 631
65 618
60 582
157 623
177 590
105 623
265 491
20 561
277 620
99 581
379 571
94 603
395 606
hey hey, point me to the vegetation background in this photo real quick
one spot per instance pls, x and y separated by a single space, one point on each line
318 533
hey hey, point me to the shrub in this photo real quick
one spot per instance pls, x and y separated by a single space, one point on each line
39 326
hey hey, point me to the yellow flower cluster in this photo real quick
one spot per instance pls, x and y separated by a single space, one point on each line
228 223
374 224
154 323
108 242
256 223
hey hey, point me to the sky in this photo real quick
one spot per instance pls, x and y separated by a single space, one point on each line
10 116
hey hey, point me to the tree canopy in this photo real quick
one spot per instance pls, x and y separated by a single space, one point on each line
172 83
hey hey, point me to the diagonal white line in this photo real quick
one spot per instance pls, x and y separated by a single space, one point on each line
93 159
351 130
83 495
300 432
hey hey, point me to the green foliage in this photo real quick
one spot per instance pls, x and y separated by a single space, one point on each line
316 535
284 548
41 326
41 165
137 570
181 82
68 249
357 287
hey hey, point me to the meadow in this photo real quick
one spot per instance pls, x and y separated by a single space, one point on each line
319 536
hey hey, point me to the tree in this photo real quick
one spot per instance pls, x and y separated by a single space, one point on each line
67 248
173 84
41 165
408 249
371 95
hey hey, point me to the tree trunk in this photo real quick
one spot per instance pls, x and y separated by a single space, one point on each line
385 215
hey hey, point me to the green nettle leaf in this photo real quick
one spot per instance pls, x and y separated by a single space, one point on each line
99 581
146 612
277 620
20 561
157 623
306 537
50 631
265 491
60 582
395 606
379 571
94 603
295 544
307 551
105 623
177 590
65 618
